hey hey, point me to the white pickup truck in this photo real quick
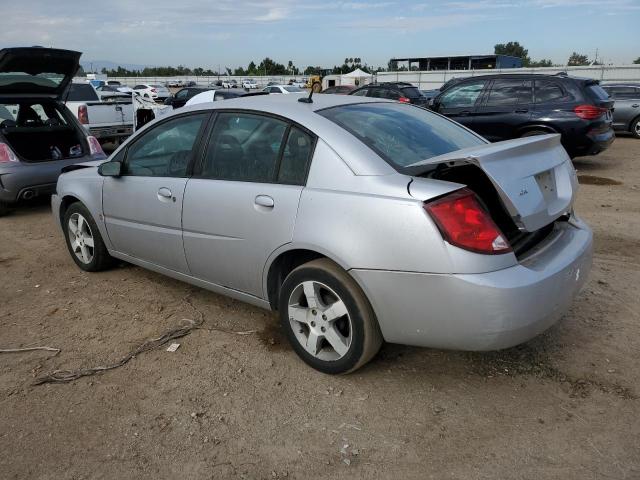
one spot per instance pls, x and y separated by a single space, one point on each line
108 121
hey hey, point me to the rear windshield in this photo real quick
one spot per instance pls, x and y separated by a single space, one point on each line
411 92
44 80
597 92
157 86
401 134
81 92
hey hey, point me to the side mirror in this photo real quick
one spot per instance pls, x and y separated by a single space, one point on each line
110 169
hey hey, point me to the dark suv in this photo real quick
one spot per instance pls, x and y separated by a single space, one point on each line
502 107
400 91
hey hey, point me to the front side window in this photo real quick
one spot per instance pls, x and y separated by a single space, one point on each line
510 92
244 147
401 134
165 150
463 96
182 94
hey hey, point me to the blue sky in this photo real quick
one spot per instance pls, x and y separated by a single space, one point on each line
230 33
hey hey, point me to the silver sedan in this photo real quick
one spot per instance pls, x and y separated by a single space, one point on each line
357 220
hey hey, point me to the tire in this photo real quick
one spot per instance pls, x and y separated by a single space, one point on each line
88 258
5 209
635 128
316 87
307 319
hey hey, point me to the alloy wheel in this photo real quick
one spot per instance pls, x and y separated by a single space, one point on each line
320 320
81 238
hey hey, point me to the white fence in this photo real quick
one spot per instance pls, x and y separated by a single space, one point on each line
435 79
424 80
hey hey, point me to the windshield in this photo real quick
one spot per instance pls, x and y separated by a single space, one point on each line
401 134
293 89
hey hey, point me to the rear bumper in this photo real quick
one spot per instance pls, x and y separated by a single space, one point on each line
111 132
39 178
596 141
486 311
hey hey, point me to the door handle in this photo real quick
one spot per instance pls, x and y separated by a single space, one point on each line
635 105
265 201
464 113
165 194
523 110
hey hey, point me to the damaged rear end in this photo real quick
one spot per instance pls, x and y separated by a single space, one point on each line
518 253
526 186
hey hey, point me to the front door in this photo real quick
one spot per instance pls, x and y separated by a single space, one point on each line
143 207
459 102
242 206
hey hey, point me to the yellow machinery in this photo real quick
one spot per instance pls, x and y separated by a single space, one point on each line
314 83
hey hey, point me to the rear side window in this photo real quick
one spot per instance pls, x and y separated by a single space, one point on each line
244 147
401 134
509 92
547 91
82 92
295 157
361 93
596 92
462 96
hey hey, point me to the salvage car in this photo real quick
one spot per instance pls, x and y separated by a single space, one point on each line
158 93
500 107
38 135
400 91
358 220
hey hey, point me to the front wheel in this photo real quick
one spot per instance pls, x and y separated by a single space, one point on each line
84 241
327 318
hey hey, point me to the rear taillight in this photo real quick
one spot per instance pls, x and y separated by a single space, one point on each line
6 154
94 146
153 90
404 100
83 114
464 223
589 112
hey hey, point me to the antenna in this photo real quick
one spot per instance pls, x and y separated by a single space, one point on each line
307 99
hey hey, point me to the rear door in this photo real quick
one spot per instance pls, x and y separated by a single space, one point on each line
143 207
461 101
505 109
242 204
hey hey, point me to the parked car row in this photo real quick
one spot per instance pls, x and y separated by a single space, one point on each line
507 106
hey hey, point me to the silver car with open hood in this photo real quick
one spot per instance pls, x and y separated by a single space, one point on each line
357 220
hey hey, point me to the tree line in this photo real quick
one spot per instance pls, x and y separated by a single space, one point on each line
268 67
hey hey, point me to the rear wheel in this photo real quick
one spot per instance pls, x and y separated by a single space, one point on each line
84 241
635 128
327 318
316 87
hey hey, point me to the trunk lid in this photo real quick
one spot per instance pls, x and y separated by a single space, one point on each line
533 176
36 71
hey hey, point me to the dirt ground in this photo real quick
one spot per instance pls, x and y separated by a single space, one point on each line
565 405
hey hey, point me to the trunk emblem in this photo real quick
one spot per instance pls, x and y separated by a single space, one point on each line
523 192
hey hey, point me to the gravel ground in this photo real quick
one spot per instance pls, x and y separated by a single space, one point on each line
226 405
